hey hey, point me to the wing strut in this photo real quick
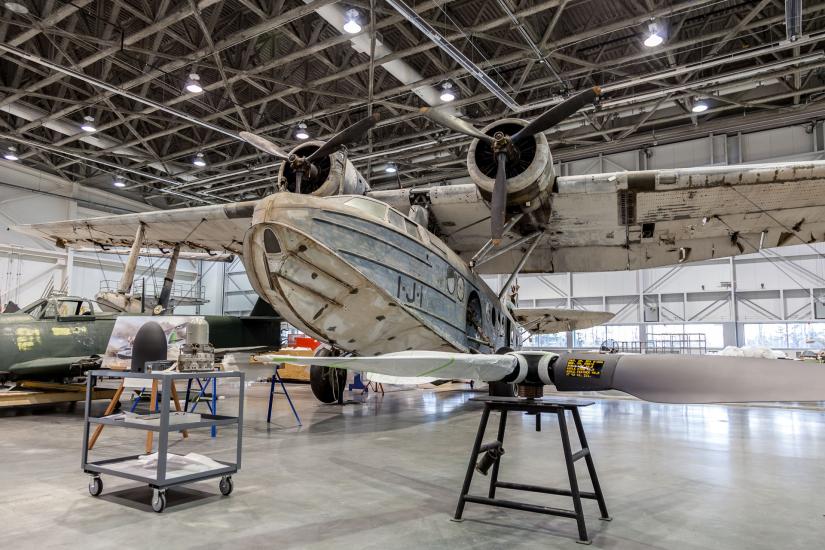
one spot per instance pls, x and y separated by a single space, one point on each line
484 250
520 264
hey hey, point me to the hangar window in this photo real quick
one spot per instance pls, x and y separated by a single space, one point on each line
373 208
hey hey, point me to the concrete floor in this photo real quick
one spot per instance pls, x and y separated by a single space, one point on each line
386 474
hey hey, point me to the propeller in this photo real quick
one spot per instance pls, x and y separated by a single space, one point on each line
666 378
263 144
454 123
556 114
303 166
349 134
674 378
505 147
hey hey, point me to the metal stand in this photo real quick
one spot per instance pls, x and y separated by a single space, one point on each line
276 378
536 406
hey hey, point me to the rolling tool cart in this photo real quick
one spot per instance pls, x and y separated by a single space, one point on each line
162 470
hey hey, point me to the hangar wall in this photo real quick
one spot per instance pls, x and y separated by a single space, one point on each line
27 265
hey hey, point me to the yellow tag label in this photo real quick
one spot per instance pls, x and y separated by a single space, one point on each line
584 368
27 338
61 331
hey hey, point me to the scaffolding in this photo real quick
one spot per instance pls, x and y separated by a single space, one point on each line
687 343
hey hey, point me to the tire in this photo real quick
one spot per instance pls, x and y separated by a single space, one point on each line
502 389
95 486
327 383
226 486
159 501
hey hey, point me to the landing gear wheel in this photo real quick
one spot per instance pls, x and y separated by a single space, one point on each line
95 486
327 383
159 501
226 485
502 389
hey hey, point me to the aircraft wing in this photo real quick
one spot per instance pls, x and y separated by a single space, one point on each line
551 320
651 218
213 229
46 366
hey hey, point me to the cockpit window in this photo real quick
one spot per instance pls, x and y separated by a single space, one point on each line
373 208
412 229
396 219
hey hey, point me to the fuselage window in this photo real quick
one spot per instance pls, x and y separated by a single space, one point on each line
451 280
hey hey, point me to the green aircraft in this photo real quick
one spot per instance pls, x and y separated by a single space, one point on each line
60 337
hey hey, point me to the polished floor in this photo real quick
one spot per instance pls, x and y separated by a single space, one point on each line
386 474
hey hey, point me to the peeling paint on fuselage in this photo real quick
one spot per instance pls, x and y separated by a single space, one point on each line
365 285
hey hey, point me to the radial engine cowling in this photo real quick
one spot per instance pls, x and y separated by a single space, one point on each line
530 171
330 175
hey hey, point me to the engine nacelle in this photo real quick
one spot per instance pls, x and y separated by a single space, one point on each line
332 175
529 177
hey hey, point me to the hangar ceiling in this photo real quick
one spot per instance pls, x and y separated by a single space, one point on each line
269 66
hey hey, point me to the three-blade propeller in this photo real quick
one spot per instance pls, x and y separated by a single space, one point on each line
506 147
663 378
303 166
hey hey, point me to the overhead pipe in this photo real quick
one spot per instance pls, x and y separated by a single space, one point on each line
793 20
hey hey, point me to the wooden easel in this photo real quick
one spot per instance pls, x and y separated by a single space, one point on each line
153 401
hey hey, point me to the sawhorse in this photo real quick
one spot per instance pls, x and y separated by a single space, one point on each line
276 378
495 450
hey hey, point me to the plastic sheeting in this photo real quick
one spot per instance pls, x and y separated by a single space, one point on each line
752 351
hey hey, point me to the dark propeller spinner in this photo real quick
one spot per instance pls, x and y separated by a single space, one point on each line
506 147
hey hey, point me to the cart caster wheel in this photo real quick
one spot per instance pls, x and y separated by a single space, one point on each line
95 486
226 485
159 501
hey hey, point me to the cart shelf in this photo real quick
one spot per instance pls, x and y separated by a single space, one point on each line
206 421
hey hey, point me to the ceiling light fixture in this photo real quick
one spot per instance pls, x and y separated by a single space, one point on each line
351 25
699 107
16 7
301 131
88 124
118 181
447 92
199 161
193 85
654 38
11 153
391 168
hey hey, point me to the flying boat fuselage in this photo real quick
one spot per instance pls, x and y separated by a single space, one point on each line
356 273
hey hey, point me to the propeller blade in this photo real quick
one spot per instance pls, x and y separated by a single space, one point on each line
498 204
454 123
263 144
299 175
352 133
433 364
556 114
673 378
